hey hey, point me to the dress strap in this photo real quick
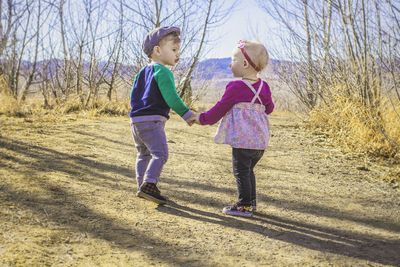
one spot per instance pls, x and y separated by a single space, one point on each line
256 93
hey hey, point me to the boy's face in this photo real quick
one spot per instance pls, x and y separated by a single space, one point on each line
167 53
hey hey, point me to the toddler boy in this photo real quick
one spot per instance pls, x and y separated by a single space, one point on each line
153 95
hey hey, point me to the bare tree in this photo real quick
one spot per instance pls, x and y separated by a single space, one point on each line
84 49
29 79
185 83
310 88
9 17
186 14
346 48
116 54
214 14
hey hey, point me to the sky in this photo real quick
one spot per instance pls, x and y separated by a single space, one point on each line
247 21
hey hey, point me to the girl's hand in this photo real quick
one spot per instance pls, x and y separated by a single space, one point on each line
197 118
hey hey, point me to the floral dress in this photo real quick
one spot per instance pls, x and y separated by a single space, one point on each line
246 125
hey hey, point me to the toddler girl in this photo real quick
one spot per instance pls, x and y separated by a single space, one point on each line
243 109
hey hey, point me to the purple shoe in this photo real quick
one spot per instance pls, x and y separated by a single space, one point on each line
238 210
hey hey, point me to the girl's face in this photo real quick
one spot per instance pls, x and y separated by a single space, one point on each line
237 63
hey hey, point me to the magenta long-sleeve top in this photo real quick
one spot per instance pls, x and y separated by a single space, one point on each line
236 92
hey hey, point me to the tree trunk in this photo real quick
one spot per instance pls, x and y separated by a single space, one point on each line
185 86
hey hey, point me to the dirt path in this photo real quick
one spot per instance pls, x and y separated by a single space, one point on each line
67 198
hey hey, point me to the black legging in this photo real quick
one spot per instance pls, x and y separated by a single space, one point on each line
244 161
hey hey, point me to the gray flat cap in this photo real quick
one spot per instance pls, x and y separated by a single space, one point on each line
153 38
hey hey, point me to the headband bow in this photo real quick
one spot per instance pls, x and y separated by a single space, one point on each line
241 46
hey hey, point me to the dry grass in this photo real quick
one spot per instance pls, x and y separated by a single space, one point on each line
73 105
100 107
357 128
353 126
11 107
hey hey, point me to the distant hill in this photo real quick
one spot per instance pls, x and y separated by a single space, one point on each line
218 68
209 78
212 69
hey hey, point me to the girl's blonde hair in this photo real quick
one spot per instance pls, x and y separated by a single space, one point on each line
257 52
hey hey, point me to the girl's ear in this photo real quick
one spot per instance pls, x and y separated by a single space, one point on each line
245 64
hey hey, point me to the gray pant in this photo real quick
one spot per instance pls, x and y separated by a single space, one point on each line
152 150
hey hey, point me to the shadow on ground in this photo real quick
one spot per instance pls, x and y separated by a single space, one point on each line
323 239
70 212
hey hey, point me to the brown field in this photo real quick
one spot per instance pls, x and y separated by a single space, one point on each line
67 198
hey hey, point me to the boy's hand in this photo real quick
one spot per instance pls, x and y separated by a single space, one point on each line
192 119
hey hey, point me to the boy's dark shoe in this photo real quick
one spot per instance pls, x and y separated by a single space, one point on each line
238 210
150 192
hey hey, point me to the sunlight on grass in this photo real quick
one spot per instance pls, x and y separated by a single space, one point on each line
355 128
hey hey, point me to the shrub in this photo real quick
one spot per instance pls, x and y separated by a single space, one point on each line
112 108
10 107
359 128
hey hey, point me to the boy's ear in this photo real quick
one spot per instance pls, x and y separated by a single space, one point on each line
156 50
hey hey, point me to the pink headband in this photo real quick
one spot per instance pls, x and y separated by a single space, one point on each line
241 45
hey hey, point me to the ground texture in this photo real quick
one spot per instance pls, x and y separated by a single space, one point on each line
67 198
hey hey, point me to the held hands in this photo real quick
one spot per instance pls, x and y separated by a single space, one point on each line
193 119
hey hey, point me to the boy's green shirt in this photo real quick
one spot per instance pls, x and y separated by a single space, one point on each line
166 84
